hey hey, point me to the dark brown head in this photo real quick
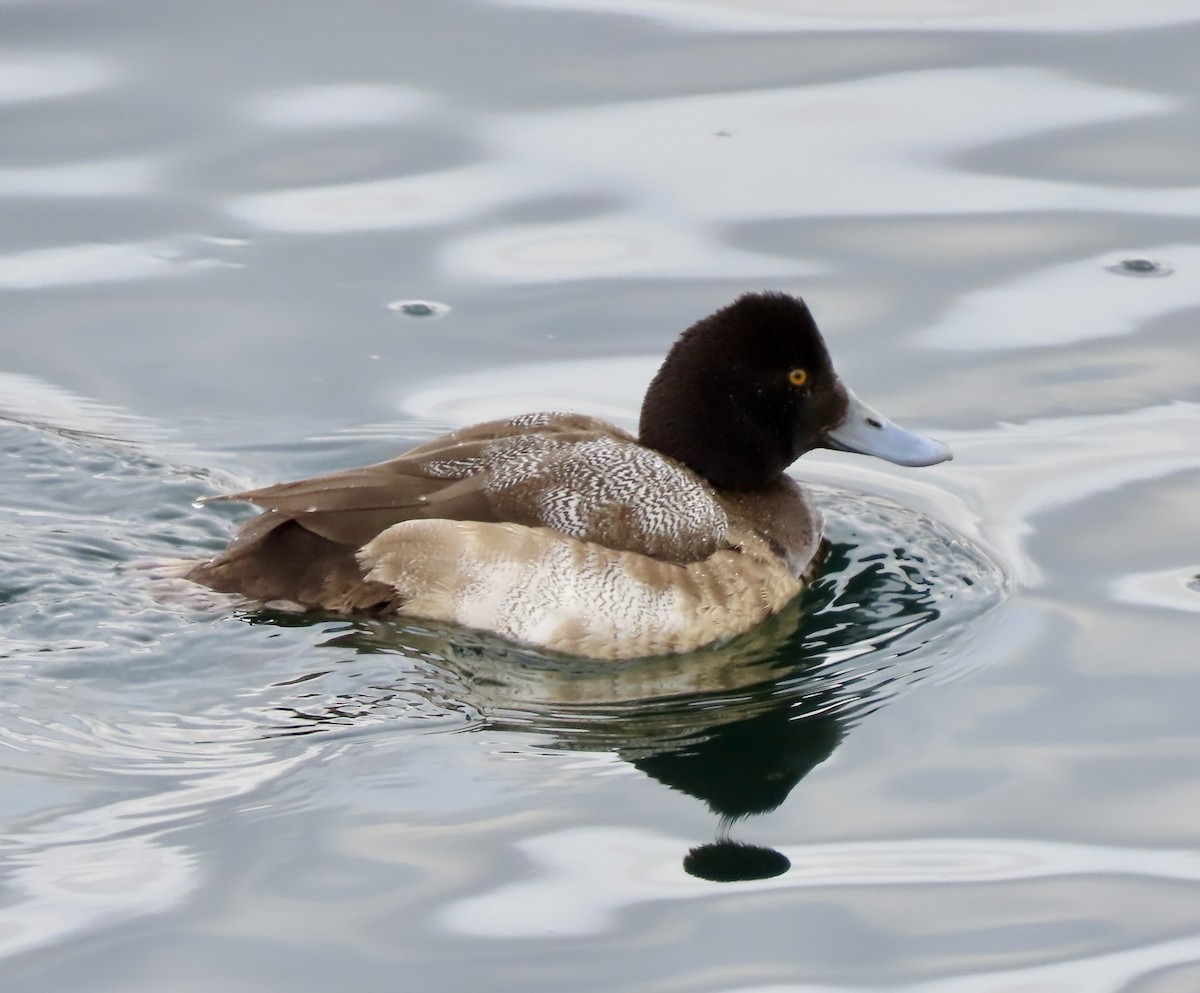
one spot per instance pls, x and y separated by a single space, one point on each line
745 392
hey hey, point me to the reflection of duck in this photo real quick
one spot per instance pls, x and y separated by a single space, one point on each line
748 768
736 726
563 531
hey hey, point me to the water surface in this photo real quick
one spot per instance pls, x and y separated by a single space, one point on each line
965 762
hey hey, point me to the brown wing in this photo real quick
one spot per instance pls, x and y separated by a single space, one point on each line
448 477
301 548
575 474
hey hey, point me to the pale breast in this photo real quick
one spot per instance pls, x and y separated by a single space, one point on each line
536 586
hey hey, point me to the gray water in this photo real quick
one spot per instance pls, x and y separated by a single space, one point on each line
969 753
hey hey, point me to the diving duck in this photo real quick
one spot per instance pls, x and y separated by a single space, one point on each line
566 533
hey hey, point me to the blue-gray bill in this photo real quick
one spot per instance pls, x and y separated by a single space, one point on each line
867 432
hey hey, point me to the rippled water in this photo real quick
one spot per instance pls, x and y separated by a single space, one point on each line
245 243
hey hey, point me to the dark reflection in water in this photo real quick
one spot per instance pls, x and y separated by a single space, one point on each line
748 767
735 726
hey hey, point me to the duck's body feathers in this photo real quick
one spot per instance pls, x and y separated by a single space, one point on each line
547 522
563 531
538 586
580 476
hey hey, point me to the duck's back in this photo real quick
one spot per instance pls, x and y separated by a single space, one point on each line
576 476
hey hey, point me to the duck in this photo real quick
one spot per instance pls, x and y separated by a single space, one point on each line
563 533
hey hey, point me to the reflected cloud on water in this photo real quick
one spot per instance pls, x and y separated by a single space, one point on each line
111 178
80 265
50 75
612 247
339 106
877 15
1076 301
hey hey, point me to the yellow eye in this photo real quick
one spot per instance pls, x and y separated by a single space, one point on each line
798 377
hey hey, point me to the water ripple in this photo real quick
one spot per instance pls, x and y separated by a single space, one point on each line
50 75
882 15
443 197
1075 301
109 178
339 106
586 877
76 265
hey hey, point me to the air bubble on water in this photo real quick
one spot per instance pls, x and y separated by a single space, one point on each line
419 308
1140 267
